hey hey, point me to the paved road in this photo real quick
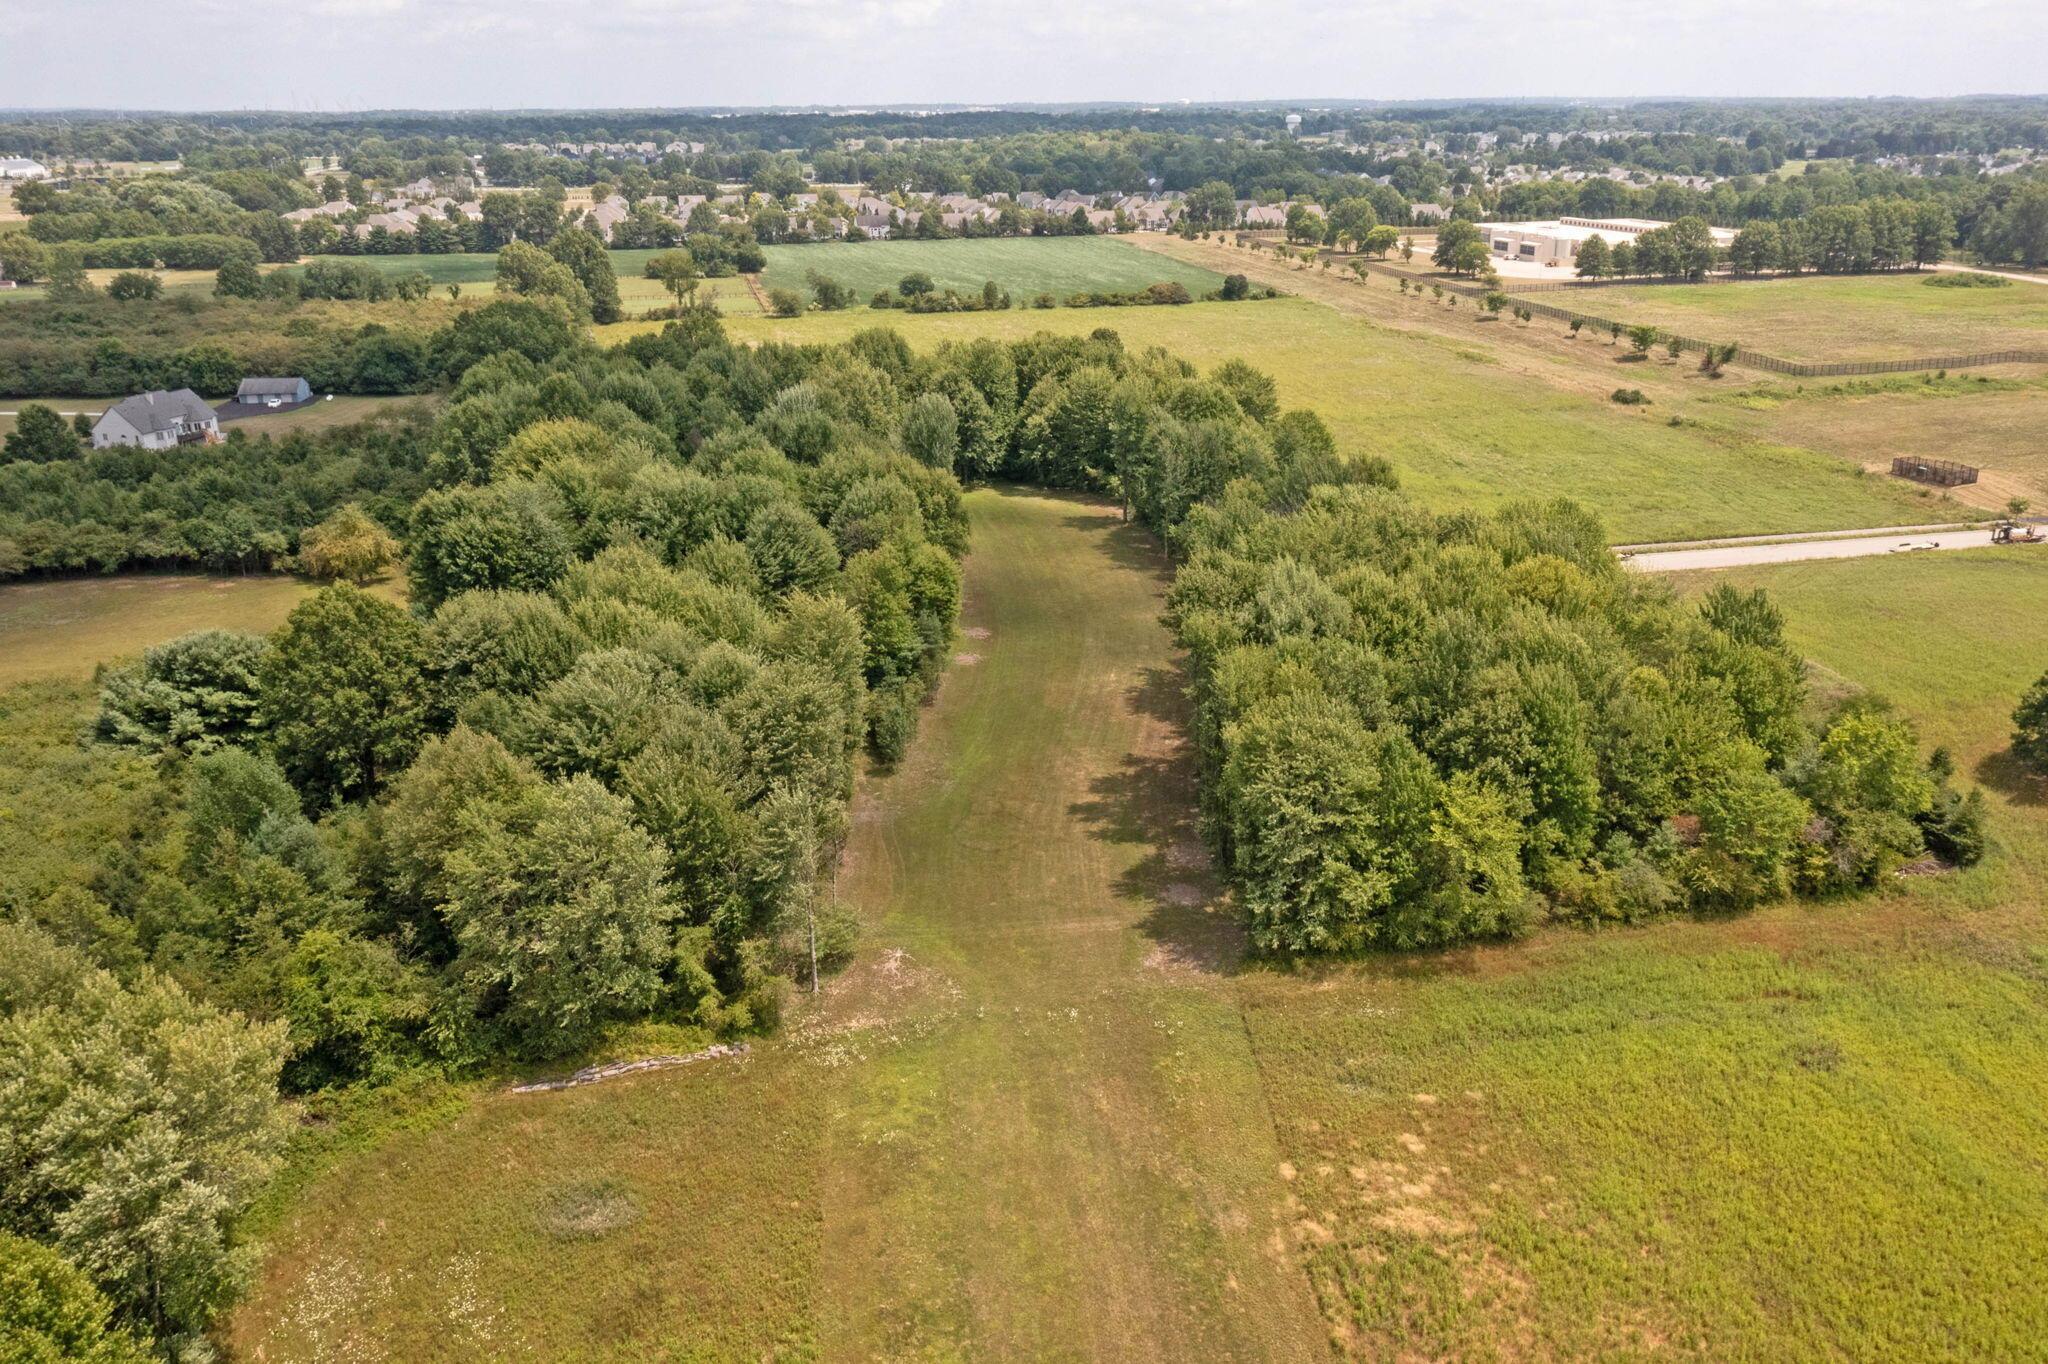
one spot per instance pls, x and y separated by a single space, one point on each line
1781 552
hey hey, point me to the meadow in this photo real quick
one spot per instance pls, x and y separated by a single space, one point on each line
67 627
477 273
1835 317
1462 424
1990 422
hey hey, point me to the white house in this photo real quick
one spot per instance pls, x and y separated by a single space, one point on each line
21 168
156 421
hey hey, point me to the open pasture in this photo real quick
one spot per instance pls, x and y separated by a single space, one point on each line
1835 317
1463 428
1994 424
66 627
477 273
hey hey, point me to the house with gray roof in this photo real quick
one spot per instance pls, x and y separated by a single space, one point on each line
272 392
156 421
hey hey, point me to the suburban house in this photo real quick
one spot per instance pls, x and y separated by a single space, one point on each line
873 225
156 421
21 168
263 392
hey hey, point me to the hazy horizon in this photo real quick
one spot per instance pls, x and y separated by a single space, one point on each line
357 56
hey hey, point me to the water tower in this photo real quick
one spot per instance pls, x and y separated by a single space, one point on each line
1294 125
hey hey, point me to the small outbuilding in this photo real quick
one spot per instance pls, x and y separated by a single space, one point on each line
264 392
156 421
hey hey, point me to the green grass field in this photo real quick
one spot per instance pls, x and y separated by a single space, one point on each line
64 628
1050 1114
1026 267
1868 317
1993 424
1463 429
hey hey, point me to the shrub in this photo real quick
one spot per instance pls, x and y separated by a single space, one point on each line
1629 397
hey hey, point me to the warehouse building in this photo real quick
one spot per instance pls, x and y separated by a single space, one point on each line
1557 242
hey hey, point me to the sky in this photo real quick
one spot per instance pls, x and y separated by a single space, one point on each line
336 55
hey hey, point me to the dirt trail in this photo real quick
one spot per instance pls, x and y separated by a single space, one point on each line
1792 551
1049 1139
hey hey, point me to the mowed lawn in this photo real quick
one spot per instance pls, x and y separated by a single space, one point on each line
1836 317
1463 430
1025 266
1810 1133
66 627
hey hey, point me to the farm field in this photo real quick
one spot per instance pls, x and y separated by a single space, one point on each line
1026 267
1868 317
175 282
1050 1113
64 628
1994 424
1463 428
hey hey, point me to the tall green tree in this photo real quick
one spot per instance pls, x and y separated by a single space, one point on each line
137 1123
344 693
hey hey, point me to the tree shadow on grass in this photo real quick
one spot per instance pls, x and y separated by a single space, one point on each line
1128 544
1148 801
2005 773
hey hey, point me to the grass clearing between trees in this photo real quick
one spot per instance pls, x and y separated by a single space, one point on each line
1834 317
66 627
1463 429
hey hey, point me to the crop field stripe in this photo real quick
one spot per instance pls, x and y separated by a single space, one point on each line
1076 1162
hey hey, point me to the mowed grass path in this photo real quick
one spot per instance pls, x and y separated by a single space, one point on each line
1075 1162
1837 317
1025 1124
1026 266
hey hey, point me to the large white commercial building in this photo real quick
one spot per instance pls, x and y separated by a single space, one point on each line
1557 242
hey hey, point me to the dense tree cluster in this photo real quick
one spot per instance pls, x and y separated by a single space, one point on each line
1418 729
